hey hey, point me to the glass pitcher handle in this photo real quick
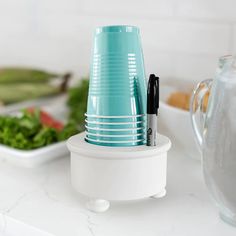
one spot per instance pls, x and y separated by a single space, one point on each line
196 107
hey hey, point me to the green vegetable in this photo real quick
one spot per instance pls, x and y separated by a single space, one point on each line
20 84
27 132
10 93
16 75
77 102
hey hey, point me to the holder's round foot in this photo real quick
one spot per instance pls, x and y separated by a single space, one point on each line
160 194
98 205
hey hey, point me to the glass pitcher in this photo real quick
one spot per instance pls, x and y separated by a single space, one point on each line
215 132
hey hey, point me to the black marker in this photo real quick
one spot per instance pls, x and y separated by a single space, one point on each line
152 109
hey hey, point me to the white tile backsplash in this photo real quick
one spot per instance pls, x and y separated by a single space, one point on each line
59 7
160 63
181 38
130 8
188 37
219 10
196 67
15 8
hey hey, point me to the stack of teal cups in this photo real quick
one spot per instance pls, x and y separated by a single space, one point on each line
117 89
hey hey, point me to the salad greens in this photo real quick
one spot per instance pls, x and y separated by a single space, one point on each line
28 132
35 128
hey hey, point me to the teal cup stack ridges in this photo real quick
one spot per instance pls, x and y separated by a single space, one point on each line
117 88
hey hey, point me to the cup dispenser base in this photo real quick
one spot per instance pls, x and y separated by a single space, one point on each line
105 174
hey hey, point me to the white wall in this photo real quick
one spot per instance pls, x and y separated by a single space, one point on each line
181 38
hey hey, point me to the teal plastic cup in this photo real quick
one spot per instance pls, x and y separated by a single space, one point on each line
104 131
112 125
116 119
116 138
115 143
117 84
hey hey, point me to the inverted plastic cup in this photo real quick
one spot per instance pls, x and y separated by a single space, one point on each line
117 125
115 144
117 78
116 119
131 130
134 131
115 137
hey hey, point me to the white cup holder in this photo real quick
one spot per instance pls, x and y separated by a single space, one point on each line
105 174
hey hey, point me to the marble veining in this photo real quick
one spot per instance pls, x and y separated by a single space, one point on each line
42 202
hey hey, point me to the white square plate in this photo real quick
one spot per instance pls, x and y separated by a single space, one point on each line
33 158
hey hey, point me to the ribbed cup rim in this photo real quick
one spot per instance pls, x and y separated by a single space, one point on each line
115 142
113 123
115 130
114 135
117 29
114 117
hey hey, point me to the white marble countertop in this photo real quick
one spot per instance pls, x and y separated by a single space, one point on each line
41 201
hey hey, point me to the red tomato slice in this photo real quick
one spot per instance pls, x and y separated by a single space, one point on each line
47 120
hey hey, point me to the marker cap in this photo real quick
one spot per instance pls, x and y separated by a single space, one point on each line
153 95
